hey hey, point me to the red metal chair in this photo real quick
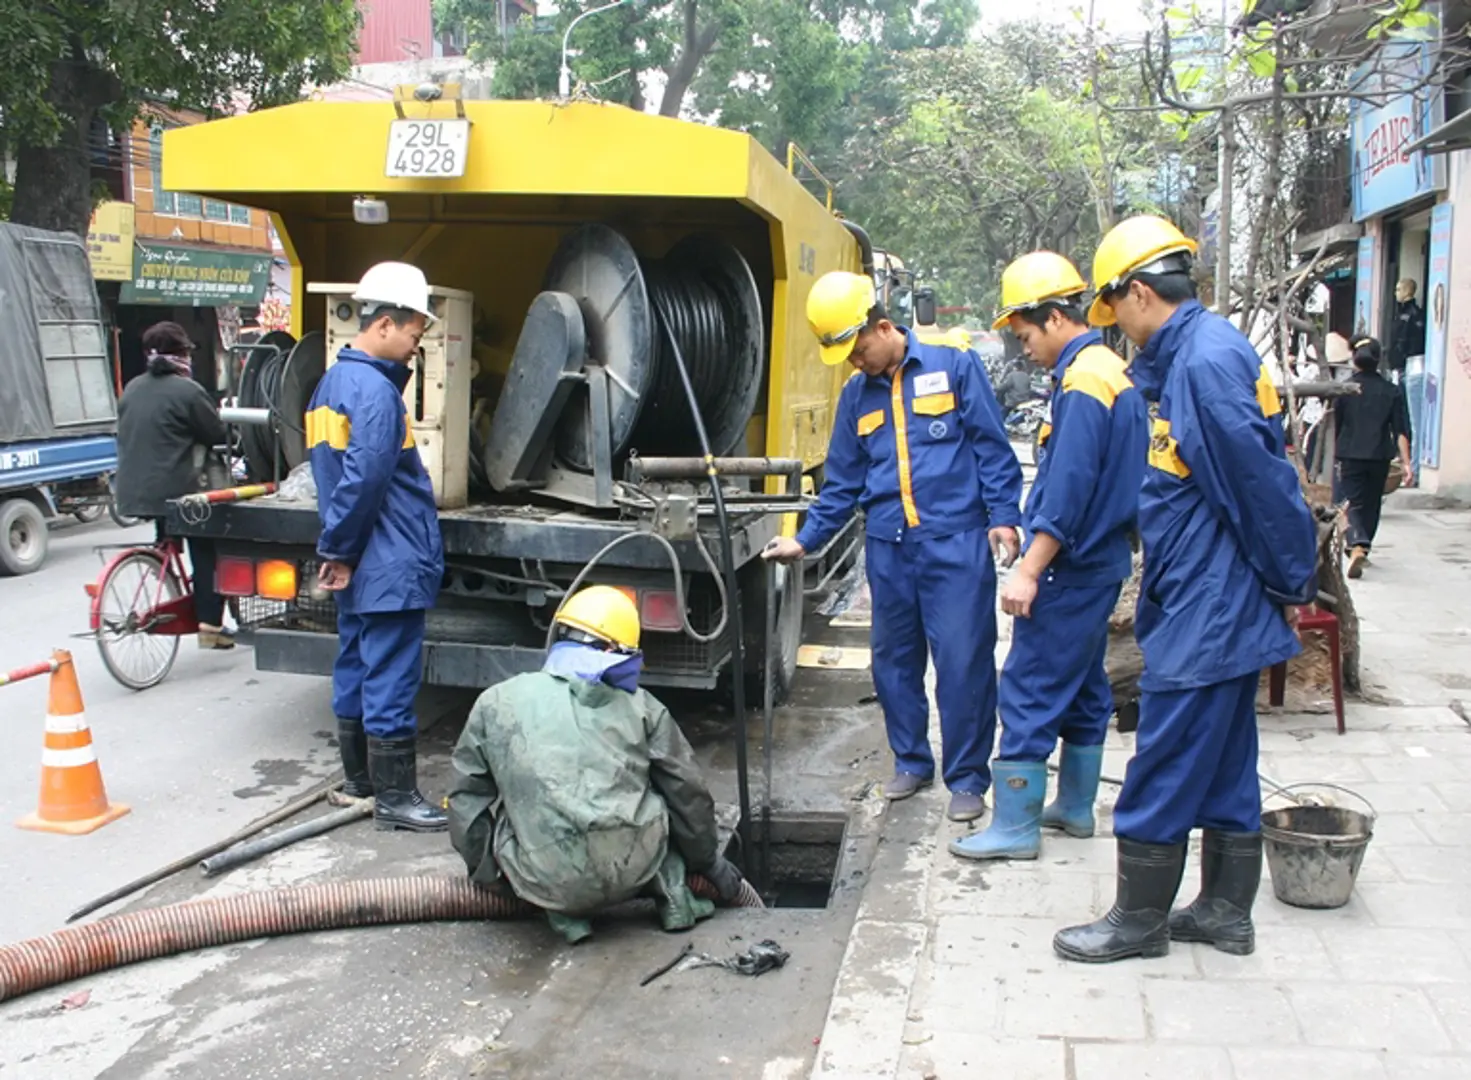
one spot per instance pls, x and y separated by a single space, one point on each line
1324 622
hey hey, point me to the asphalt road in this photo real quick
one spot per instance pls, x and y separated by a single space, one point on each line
205 752
217 745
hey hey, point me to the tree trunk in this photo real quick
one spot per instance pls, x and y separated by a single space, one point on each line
692 52
53 184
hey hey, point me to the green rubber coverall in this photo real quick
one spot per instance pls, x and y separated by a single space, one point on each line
579 795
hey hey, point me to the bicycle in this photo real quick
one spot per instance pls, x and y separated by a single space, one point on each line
142 603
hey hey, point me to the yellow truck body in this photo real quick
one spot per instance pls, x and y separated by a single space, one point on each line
534 171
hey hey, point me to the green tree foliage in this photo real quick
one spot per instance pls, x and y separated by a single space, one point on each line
995 149
781 69
69 63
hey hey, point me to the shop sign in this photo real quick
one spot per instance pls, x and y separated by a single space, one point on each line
1364 314
110 242
1383 173
1437 297
196 277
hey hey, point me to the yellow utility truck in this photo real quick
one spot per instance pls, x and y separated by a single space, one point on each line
577 252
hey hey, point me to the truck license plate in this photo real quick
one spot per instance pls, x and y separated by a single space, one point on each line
427 147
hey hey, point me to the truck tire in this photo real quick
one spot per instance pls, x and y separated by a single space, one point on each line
23 537
754 599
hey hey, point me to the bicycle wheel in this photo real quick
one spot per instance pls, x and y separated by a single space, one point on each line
136 584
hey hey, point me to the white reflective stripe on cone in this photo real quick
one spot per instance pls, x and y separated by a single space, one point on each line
68 759
66 725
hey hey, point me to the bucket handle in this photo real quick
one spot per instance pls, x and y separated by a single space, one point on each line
1280 789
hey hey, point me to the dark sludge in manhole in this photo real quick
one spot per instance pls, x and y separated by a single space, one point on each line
798 867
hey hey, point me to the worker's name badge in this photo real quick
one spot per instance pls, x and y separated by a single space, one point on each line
934 382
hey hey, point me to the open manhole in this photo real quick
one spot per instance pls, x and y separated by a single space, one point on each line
798 867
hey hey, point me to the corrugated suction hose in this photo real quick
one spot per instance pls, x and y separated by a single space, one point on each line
124 939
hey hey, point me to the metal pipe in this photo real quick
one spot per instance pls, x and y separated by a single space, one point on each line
768 709
693 468
290 809
237 414
254 849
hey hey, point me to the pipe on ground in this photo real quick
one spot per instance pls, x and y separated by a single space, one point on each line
118 940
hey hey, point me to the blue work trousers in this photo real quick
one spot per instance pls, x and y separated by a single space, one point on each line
1053 682
378 669
937 597
1194 764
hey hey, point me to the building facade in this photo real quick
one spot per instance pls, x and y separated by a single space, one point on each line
166 255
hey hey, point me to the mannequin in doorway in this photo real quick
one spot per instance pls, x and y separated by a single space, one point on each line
1408 335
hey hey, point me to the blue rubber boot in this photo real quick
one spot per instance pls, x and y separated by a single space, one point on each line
1015 832
1077 787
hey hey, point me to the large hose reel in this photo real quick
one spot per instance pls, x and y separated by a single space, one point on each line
593 331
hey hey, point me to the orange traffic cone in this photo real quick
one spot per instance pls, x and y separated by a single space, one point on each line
73 800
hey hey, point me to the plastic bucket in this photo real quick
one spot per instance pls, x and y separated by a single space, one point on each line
1314 852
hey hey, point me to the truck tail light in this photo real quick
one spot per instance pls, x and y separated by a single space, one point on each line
234 576
659 610
275 579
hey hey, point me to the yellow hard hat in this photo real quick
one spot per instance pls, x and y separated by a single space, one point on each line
837 309
605 613
1127 248
1035 279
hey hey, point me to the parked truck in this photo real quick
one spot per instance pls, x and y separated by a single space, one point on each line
573 250
58 407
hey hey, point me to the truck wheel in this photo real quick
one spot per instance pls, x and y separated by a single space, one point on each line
754 599
88 514
23 537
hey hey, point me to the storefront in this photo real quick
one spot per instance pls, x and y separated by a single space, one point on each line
1401 292
188 285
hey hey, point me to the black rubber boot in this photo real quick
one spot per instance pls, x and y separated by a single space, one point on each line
1230 871
353 745
1138 924
397 803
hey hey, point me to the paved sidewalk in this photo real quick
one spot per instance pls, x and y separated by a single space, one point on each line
950 973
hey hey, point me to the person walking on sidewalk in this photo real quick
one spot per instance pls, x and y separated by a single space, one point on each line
1079 517
575 789
1229 550
918 442
1371 428
380 550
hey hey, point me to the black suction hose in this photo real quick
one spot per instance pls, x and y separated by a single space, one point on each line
732 591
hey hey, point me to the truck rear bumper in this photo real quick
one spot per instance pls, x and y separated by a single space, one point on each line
446 663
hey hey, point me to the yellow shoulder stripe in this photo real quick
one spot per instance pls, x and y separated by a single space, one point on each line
1164 451
1098 372
868 423
1266 394
326 425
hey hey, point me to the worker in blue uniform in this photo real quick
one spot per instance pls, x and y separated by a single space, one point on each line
380 549
1079 517
918 441
1229 553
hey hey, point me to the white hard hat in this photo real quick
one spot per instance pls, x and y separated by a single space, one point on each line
395 284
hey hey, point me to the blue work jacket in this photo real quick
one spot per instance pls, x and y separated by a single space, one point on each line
925 453
1086 493
1228 537
373 493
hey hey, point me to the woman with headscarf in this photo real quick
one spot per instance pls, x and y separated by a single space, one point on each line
164 415
1371 428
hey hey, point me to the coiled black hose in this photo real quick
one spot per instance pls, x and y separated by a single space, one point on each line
260 388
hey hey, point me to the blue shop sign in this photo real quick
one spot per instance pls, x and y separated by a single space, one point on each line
1402 109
